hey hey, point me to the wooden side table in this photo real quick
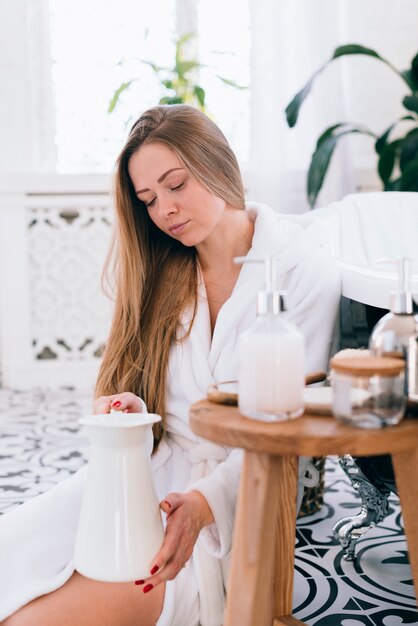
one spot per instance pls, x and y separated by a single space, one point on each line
261 577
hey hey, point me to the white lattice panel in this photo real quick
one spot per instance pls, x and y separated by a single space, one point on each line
66 247
52 254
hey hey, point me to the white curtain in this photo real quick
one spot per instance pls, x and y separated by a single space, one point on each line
290 40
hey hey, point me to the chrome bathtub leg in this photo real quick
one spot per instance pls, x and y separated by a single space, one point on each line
374 508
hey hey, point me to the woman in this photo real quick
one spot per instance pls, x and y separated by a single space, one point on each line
180 306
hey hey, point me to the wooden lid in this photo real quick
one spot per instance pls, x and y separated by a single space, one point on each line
368 366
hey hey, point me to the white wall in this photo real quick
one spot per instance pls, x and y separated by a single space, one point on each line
16 126
26 112
373 92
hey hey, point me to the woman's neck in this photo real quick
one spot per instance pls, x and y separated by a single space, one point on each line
232 237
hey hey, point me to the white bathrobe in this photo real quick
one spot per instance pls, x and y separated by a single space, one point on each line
37 539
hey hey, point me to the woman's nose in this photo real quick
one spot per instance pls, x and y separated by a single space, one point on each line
166 207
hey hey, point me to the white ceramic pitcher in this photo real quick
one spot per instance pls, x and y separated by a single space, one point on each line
120 527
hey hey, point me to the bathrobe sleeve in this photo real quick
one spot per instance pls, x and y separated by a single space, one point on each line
313 297
220 489
313 286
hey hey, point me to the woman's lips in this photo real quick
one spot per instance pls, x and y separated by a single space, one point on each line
177 229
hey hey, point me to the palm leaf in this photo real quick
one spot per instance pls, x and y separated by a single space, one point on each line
411 103
184 39
324 150
179 46
293 108
387 159
117 94
156 68
231 83
411 75
171 100
409 178
382 140
394 185
409 150
199 92
182 67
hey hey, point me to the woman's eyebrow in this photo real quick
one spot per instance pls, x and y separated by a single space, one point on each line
160 180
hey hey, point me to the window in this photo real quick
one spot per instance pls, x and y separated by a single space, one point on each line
98 44
226 51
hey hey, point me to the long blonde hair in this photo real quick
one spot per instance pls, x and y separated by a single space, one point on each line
155 276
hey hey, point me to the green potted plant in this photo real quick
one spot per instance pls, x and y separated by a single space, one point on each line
397 155
178 82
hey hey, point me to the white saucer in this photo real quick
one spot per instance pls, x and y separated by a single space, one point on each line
318 400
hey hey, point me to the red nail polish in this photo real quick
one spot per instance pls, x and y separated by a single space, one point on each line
147 588
154 569
167 503
117 403
139 582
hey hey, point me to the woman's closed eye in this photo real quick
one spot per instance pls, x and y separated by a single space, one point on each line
176 188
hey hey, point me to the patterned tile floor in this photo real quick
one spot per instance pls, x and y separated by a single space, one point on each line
41 444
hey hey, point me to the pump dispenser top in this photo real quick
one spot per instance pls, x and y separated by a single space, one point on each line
401 300
271 356
269 299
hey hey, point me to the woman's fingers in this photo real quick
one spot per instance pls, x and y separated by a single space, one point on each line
168 550
182 529
172 557
171 503
125 402
102 405
169 572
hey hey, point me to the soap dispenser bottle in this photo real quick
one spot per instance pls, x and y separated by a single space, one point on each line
271 375
396 334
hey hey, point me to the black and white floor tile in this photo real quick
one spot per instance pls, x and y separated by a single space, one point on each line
377 589
40 441
41 444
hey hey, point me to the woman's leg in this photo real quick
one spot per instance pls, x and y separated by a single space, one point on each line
85 602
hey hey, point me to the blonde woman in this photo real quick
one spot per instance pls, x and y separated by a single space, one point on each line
180 306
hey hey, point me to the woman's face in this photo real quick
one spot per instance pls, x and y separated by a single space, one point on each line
176 202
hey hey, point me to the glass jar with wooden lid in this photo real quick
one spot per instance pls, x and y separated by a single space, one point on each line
368 391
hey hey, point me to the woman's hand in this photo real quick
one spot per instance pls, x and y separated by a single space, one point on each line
187 514
125 402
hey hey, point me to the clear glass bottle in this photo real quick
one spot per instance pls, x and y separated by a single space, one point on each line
396 334
368 392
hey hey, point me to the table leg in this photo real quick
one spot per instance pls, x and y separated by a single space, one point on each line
267 494
285 536
406 473
287 620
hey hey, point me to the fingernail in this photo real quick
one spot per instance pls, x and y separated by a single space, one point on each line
139 582
154 569
147 588
117 403
167 503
